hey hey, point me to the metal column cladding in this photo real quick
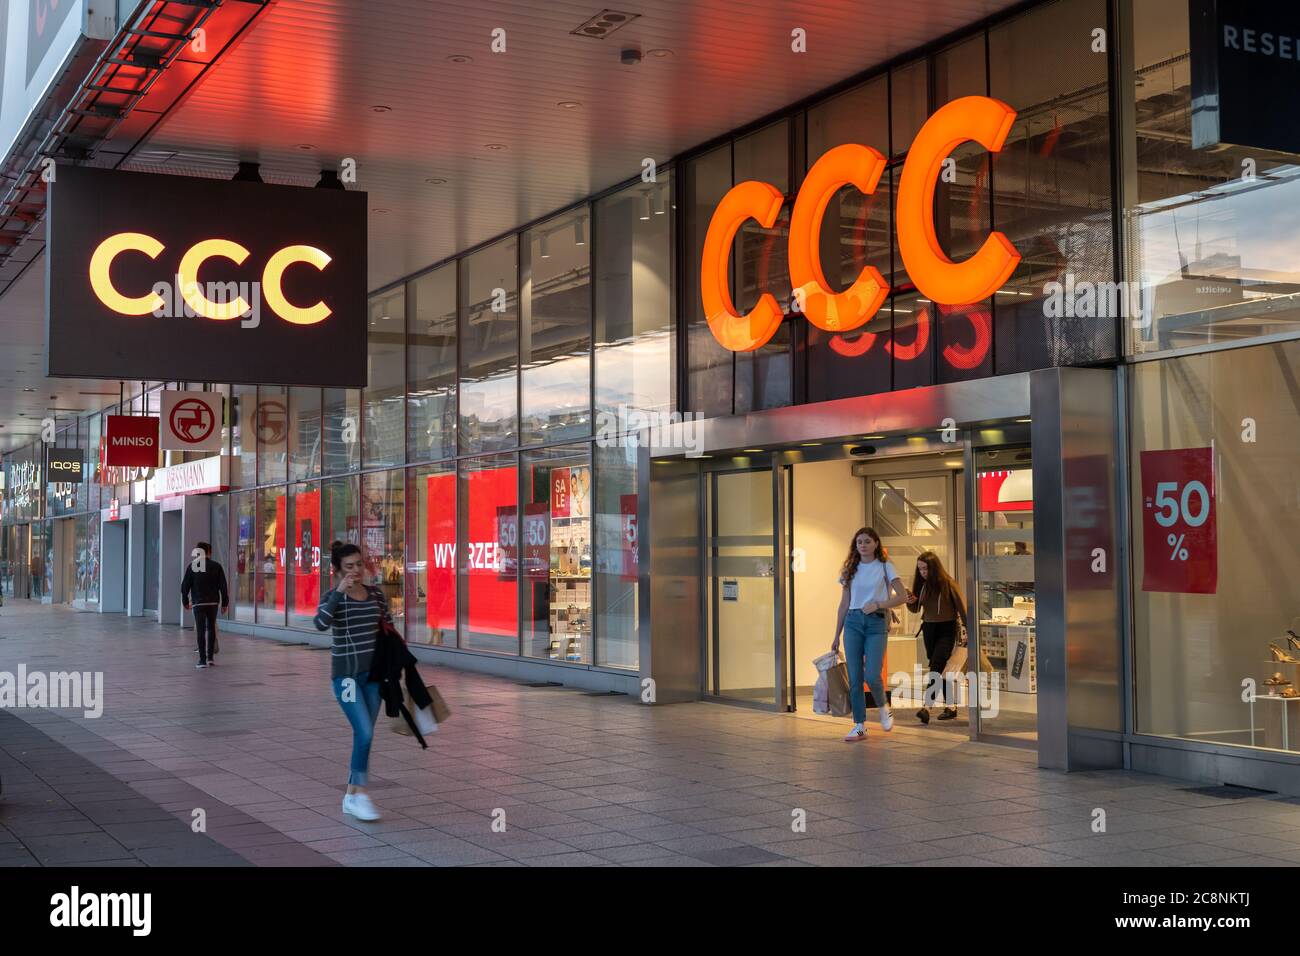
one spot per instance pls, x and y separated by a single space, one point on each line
172 278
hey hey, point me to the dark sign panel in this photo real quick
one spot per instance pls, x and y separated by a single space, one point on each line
65 464
203 280
1245 70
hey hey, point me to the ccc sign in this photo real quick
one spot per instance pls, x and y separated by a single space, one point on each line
973 118
187 278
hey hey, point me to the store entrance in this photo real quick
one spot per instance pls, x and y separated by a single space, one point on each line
15 569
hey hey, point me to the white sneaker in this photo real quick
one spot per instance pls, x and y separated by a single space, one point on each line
360 806
858 732
886 719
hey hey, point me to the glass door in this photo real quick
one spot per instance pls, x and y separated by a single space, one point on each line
1004 576
746 615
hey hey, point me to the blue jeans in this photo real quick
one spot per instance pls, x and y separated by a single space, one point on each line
865 636
361 713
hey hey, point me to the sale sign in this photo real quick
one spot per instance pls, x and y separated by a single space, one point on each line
1179 535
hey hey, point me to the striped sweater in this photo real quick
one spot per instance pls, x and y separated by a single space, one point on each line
356 626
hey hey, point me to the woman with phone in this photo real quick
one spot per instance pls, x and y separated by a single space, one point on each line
869 588
935 596
353 610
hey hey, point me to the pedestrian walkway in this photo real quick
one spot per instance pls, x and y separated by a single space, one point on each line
258 745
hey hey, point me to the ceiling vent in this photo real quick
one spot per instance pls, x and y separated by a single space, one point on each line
604 23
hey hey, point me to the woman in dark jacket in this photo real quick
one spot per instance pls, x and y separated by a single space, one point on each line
354 610
935 596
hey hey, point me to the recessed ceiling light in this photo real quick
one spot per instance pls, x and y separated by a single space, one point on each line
435 181
380 210
306 146
569 104
872 437
381 109
752 451
28 388
1024 421
660 54
460 58
810 444
495 146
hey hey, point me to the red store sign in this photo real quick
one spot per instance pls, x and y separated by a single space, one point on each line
1180 546
131 441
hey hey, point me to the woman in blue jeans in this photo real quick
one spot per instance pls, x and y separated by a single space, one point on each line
870 587
353 610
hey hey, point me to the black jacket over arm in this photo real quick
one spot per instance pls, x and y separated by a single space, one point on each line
392 662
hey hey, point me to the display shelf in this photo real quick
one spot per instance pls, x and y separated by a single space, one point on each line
1286 715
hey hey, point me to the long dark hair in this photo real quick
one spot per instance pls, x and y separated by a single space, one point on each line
851 563
339 551
937 579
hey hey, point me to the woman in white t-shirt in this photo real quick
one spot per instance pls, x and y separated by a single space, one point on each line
871 587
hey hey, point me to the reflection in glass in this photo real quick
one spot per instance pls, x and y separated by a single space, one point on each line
489 340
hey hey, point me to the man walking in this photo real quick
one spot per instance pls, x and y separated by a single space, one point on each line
203 586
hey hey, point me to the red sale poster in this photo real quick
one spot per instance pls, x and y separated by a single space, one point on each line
560 492
440 554
1180 547
627 508
307 555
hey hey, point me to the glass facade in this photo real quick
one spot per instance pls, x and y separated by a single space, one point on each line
487 471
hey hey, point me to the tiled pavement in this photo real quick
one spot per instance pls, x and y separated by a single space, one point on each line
260 746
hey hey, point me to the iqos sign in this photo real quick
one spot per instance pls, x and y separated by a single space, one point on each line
172 278
978 119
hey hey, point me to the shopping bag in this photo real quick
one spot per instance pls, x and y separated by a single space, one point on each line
821 703
837 690
426 719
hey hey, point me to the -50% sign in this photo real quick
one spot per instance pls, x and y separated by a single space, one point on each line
1179 534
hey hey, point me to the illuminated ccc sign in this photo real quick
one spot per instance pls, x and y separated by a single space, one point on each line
101 263
978 119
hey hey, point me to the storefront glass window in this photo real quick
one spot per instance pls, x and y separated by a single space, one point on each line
383 535
270 545
341 423
1216 539
431 557
710 367
555 554
489 348
302 553
220 539
431 365
243 436
635 344
384 432
616 565
272 426
1213 230
1053 184
304 433
341 518
241 574
556 334
487 554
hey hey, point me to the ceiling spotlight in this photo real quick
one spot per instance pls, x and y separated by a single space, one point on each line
495 146
568 104
28 388
630 56
436 181
579 232
460 58
545 250
247 173
645 208
380 210
381 109
329 179
661 207
660 54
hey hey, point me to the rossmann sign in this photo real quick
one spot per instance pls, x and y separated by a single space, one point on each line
978 119
174 278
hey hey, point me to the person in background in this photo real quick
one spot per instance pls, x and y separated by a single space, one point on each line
353 610
935 597
203 588
869 588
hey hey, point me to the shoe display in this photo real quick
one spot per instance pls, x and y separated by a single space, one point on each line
1293 640
1277 680
1290 692
1280 656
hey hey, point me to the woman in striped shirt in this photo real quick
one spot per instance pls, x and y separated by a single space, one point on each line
354 611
